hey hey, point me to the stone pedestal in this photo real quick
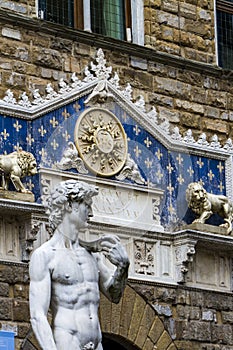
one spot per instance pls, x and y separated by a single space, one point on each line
17 196
197 226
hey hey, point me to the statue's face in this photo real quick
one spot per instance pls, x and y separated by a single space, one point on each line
81 212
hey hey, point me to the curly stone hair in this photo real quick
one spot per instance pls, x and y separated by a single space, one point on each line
67 192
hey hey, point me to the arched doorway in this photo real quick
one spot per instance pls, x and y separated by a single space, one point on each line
111 342
133 324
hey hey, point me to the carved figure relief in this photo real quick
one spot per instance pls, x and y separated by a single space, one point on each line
131 171
15 166
71 159
101 141
204 204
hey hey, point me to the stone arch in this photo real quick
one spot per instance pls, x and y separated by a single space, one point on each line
134 323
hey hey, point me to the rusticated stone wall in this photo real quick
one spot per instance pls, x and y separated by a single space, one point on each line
195 319
184 28
14 308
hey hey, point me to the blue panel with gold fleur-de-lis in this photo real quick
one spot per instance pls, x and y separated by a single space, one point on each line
47 138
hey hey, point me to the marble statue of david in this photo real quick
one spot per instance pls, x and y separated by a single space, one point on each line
66 273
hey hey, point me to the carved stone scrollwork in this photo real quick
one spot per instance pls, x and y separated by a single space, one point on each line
184 253
30 225
144 257
156 209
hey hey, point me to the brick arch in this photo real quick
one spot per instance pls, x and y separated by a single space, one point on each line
134 321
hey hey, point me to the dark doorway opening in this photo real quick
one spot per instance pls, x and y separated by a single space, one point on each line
113 342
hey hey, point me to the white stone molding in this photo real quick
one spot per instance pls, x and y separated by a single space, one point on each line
202 141
117 204
188 138
184 252
176 136
19 225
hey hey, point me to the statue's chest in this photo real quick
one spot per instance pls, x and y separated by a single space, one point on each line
74 266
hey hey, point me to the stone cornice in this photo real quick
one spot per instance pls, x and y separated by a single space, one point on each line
97 40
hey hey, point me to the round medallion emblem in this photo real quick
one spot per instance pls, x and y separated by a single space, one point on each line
101 141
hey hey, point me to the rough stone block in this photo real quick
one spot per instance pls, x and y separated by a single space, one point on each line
156 330
6 308
139 63
222 334
128 301
11 33
148 345
227 317
139 305
145 325
164 341
20 311
197 330
105 313
4 289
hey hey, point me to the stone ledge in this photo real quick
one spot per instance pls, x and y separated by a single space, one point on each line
197 226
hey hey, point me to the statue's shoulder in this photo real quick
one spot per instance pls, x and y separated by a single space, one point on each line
43 254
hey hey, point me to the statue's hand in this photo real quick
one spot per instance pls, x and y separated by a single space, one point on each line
114 251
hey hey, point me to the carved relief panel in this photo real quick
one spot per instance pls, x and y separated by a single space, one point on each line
9 238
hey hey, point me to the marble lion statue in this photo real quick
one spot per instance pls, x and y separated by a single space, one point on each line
204 204
15 166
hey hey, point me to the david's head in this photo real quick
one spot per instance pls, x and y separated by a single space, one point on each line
67 196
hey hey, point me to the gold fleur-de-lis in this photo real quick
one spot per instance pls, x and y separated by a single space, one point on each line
17 126
147 142
76 106
65 114
17 147
210 175
220 167
190 171
136 130
30 139
180 179
179 159
43 153
5 134
221 186
200 163
30 185
148 163
42 131
137 151
54 144
54 122
159 174
66 136
170 188
158 154
170 168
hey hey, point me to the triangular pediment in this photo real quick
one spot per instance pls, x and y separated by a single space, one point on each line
100 86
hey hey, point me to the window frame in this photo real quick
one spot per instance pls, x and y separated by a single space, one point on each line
134 21
225 7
